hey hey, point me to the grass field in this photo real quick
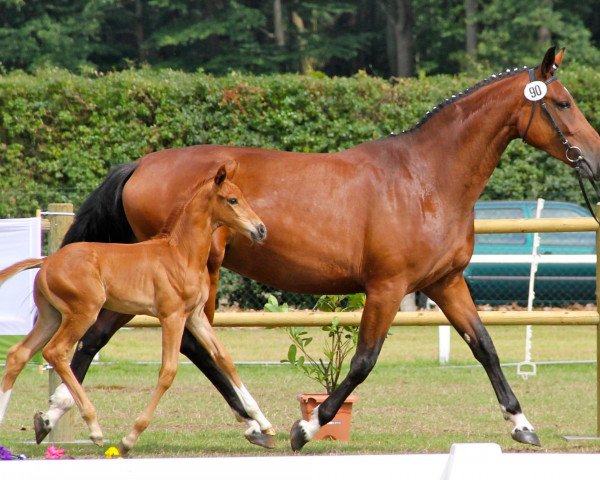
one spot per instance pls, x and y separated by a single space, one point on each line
409 403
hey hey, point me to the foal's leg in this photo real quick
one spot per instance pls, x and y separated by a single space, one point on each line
99 334
383 300
90 344
56 353
453 297
47 323
260 431
172 329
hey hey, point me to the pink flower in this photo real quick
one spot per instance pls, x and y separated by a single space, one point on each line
54 453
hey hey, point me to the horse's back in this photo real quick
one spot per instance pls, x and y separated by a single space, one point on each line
315 205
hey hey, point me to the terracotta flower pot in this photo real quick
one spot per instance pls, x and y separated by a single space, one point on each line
339 427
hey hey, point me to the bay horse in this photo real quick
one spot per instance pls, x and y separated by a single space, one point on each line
165 276
386 217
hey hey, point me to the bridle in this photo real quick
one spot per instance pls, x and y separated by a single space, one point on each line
572 152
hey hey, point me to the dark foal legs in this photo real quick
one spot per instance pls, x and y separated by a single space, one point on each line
380 308
453 297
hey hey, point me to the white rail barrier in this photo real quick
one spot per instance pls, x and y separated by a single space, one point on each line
464 462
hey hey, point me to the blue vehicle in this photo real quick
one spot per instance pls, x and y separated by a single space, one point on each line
500 268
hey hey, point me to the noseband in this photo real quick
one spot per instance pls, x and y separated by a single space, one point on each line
572 152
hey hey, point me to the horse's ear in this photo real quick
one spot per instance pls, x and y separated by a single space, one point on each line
551 61
558 58
220 176
231 168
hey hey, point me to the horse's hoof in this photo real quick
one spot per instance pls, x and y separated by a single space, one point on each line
261 439
41 424
297 437
123 450
98 440
528 437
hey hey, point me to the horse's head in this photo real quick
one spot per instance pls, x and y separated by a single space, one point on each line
550 120
231 209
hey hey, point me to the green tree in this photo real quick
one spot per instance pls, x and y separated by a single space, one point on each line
512 32
61 33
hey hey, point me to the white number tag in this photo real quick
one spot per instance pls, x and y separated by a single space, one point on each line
535 90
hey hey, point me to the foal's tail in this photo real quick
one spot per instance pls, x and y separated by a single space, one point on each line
101 217
19 267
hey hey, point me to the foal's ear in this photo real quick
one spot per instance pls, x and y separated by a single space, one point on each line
231 168
220 176
551 61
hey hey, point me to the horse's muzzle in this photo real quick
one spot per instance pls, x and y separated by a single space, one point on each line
259 234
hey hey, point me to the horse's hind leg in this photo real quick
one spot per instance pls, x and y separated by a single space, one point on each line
172 330
260 431
452 295
56 353
18 355
90 344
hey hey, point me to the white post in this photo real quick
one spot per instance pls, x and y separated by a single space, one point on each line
444 343
530 367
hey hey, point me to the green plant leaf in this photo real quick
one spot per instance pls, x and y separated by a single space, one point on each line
292 351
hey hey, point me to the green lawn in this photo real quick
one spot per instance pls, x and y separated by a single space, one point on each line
408 404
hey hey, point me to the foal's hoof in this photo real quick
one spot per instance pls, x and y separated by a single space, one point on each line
41 424
123 450
297 437
98 440
528 437
261 439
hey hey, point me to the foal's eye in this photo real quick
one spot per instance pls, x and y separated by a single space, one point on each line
232 201
563 105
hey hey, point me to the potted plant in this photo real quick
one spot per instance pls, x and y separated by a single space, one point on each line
339 342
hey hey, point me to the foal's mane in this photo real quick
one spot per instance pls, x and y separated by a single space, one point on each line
179 210
460 95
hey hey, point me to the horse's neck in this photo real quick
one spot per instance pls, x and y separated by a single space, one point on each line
465 140
191 233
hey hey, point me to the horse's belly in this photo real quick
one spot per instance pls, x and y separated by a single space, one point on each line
302 272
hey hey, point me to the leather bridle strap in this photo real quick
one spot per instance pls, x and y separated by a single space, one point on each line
572 152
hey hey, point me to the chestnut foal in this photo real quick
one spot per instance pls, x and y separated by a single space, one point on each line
165 276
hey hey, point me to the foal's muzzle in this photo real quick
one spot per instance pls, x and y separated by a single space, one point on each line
259 233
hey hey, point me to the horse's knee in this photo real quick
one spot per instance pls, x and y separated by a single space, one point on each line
50 354
166 377
16 357
482 346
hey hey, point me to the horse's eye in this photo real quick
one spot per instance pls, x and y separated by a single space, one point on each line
232 201
563 105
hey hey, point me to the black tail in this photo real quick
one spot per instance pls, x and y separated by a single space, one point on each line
101 217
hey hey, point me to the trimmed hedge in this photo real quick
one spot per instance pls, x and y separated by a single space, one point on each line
60 133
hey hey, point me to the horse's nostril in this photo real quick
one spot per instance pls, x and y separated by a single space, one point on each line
262 231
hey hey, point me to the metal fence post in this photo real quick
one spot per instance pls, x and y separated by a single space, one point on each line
59 224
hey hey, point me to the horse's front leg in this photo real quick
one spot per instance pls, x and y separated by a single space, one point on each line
383 301
95 338
220 369
453 297
172 330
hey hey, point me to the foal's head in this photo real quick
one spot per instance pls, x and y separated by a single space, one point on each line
230 208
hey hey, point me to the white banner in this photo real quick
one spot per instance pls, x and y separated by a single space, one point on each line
20 238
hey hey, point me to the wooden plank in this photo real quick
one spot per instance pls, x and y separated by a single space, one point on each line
430 318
